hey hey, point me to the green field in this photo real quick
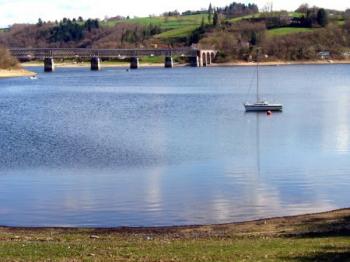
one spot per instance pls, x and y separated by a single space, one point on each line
287 31
238 19
177 33
296 14
166 23
172 27
179 27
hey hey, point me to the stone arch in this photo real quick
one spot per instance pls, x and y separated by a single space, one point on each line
212 55
204 59
208 58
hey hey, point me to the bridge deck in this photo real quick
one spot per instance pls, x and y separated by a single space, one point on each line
41 53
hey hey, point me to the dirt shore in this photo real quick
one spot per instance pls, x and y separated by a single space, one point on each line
272 226
281 63
15 73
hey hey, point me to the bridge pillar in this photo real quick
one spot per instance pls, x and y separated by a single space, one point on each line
95 63
134 62
204 60
169 62
195 61
209 58
49 64
212 57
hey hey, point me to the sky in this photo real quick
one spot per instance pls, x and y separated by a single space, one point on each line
28 11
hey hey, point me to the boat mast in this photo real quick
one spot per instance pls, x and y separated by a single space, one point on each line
257 76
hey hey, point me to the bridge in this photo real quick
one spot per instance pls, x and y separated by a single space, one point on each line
196 57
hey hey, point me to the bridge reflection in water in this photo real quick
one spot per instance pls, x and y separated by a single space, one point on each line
196 57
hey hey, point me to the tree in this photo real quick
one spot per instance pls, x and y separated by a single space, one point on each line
322 17
203 23
347 14
302 8
253 38
40 22
268 8
238 9
216 19
210 13
6 60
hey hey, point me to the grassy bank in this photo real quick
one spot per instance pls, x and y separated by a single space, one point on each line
322 237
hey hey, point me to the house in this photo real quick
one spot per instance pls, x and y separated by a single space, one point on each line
324 54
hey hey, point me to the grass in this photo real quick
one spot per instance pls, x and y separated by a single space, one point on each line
166 23
182 26
321 237
152 59
172 27
296 14
238 19
287 31
177 33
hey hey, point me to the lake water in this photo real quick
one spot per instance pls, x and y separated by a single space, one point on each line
156 147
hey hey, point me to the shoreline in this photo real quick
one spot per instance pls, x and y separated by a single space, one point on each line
313 237
6 73
332 214
228 64
286 63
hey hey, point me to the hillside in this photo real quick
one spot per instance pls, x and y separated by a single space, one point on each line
234 30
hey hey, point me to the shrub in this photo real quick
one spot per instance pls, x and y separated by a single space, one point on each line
6 60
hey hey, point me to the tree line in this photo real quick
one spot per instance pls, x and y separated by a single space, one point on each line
312 17
71 30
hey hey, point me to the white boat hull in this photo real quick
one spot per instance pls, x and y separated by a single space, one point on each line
262 107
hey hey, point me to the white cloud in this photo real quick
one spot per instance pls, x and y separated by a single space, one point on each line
24 11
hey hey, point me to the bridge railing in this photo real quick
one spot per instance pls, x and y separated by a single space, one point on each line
41 53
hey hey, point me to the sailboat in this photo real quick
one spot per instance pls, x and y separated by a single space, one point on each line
260 105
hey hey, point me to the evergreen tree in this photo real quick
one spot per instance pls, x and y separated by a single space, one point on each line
253 38
203 23
40 22
210 13
216 19
322 17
